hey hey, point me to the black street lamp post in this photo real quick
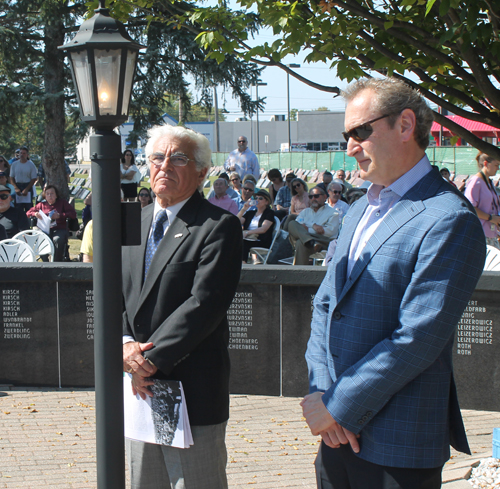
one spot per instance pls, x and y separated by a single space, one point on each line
103 61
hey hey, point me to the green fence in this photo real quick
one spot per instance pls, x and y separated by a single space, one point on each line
460 160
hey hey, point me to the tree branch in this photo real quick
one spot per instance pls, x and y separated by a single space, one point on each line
475 141
357 9
421 74
477 66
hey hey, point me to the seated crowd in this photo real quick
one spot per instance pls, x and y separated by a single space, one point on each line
17 194
310 212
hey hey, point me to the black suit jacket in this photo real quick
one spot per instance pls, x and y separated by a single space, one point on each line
181 306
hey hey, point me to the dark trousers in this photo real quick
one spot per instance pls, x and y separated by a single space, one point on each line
60 239
25 207
340 468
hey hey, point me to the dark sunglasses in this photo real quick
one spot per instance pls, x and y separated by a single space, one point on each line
4 196
260 198
335 191
363 131
298 185
315 196
143 195
241 141
235 179
248 189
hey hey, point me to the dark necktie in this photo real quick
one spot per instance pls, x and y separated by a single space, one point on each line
155 238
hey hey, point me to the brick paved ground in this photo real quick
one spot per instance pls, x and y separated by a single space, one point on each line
47 440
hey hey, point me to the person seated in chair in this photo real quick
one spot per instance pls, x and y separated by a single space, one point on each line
221 199
257 224
314 228
12 219
58 210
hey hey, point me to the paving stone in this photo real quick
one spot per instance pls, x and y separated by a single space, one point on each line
269 444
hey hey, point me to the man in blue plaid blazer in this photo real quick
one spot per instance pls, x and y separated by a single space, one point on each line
382 394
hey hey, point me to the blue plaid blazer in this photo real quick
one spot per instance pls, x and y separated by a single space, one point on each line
381 339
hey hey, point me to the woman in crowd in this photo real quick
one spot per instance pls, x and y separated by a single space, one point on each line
129 173
4 166
276 178
57 210
300 200
335 189
257 224
481 193
300 196
235 180
144 197
445 173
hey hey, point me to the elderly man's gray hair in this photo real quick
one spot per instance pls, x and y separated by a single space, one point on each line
201 147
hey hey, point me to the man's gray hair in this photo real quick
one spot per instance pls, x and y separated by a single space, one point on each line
201 147
334 185
392 96
222 180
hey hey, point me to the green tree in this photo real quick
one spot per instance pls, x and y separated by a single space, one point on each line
172 59
37 95
33 78
198 112
447 49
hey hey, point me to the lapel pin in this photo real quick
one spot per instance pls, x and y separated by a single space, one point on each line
178 235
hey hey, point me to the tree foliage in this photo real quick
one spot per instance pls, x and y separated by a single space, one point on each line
447 49
33 78
37 95
197 113
173 59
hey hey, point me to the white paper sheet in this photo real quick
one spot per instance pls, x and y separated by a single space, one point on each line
162 419
43 222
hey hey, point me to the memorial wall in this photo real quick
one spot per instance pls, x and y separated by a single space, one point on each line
47 331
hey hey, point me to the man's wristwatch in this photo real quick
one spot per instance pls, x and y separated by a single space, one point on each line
489 218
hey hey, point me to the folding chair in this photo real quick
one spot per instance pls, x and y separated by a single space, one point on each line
263 253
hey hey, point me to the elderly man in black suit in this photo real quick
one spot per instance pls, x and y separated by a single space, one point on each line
177 287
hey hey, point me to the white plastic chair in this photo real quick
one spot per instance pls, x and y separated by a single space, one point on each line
40 243
492 262
15 250
263 253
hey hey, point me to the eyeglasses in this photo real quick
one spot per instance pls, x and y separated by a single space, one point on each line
143 195
335 191
248 189
235 179
260 198
4 196
315 196
298 185
177 159
363 131
241 142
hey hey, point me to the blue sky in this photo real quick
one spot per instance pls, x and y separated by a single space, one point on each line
302 97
